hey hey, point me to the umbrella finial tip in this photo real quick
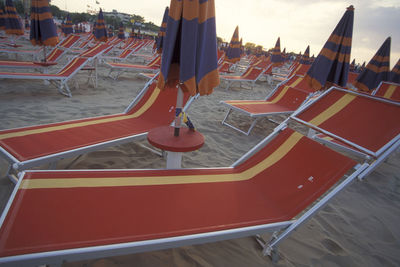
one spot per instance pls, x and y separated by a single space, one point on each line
351 7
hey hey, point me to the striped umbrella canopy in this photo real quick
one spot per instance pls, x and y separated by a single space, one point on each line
362 67
332 64
233 52
100 31
305 58
132 33
2 20
110 32
284 54
395 73
27 24
161 33
43 30
121 33
189 54
276 57
68 25
63 26
377 69
12 19
80 28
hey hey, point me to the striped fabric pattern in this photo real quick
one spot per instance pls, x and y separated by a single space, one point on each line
68 25
121 33
100 32
377 69
395 73
43 30
132 33
2 20
276 57
12 19
233 52
189 53
305 58
332 64
161 33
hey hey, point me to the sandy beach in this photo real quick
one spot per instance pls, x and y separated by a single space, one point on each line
358 228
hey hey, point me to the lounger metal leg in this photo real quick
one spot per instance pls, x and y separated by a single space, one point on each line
11 174
236 128
229 85
271 247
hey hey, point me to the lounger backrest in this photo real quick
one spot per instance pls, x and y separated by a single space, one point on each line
288 96
69 41
157 105
359 119
73 66
224 67
388 90
55 54
95 50
252 73
301 69
156 62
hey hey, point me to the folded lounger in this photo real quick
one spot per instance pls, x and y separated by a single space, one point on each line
32 146
277 186
251 75
120 68
285 98
388 90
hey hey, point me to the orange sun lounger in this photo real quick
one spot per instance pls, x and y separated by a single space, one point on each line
277 186
252 74
120 68
95 213
32 146
388 90
53 56
285 98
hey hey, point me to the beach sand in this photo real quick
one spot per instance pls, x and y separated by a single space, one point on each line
359 227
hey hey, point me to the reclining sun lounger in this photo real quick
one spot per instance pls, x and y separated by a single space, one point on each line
251 75
53 56
359 123
276 186
388 90
120 68
27 147
125 53
61 78
285 98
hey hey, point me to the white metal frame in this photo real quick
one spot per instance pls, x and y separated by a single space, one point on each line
252 81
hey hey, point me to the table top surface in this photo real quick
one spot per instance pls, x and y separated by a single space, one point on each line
163 138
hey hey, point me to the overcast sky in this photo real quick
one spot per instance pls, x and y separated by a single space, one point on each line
297 22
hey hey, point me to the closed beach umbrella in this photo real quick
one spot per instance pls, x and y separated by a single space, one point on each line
189 56
121 33
233 52
377 69
68 25
395 73
43 30
2 20
132 33
100 29
332 64
305 58
276 57
12 19
352 65
161 33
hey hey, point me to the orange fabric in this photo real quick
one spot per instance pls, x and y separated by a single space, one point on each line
54 219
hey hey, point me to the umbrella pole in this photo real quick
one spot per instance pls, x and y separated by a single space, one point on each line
179 103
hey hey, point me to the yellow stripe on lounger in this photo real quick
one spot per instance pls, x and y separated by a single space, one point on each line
275 100
333 109
389 92
145 107
164 180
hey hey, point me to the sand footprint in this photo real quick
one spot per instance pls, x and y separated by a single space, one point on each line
333 247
